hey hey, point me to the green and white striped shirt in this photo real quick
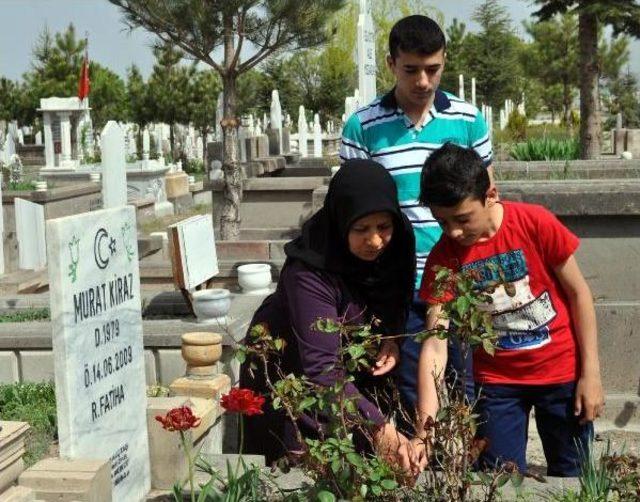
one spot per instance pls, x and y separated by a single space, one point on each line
381 131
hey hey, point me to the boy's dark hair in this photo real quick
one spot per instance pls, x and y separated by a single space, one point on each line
417 35
451 174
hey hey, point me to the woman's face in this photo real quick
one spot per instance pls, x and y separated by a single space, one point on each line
370 235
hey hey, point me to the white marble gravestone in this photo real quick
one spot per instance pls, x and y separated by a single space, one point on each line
366 53
97 344
32 247
302 133
197 244
114 177
317 136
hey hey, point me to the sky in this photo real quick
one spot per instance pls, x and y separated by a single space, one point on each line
114 46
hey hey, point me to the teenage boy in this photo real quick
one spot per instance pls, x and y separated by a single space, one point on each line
542 311
400 130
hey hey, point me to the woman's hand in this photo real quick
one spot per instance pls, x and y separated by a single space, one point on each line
395 447
422 450
387 358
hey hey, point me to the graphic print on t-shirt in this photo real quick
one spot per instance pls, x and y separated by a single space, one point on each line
520 319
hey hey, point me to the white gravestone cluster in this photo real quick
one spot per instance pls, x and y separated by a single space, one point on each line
97 344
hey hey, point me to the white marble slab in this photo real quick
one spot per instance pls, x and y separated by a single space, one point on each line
32 251
97 344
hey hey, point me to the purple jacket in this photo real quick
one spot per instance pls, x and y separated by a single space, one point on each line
302 296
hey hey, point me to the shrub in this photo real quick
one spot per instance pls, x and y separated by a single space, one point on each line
546 149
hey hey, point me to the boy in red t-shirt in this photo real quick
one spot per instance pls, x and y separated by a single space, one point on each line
547 353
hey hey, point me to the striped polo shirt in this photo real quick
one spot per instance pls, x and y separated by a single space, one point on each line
381 131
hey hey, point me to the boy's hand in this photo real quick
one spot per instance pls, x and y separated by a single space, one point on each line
589 400
387 358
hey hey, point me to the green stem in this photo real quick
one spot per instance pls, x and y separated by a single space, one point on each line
241 445
187 451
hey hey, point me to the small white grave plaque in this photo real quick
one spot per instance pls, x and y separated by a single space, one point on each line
195 251
32 251
97 344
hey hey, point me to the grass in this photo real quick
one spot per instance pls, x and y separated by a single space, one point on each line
21 186
34 403
26 315
161 224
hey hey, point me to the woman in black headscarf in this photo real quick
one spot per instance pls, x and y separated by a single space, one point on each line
354 260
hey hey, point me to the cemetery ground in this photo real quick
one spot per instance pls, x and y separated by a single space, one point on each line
598 200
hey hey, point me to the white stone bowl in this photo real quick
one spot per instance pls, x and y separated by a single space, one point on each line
211 305
254 278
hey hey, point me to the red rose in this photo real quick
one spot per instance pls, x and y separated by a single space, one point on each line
243 401
179 419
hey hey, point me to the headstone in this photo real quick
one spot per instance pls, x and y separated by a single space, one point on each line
633 142
317 136
196 244
286 140
274 142
366 53
20 137
619 141
251 147
97 344
618 120
146 143
114 178
262 146
276 119
473 91
302 133
199 149
32 247
39 138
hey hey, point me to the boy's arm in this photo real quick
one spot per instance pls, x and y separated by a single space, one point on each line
432 362
589 398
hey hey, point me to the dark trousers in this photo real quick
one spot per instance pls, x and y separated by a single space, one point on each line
407 371
504 421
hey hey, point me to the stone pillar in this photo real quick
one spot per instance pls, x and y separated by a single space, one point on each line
48 141
65 138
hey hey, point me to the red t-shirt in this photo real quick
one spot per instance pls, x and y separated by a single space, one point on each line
536 344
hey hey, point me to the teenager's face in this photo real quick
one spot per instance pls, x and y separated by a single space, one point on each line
467 222
369 236
417 76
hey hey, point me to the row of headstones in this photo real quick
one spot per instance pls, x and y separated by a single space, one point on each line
30 217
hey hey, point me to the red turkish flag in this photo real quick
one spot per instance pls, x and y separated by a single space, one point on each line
83 84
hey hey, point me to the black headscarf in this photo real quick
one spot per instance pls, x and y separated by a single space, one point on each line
359 188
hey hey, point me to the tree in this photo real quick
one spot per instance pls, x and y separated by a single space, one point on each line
168 96
624 17
264 27
622 97
108 96
55 70
9 99
492 55
552 58
455 63
139 107
202 103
